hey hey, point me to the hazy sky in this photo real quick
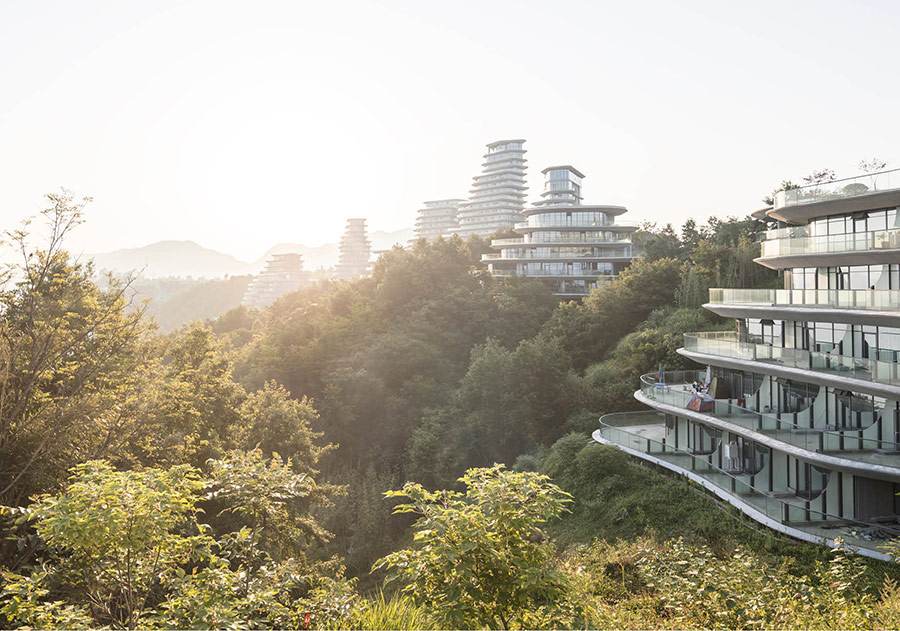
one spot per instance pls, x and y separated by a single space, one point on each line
242 124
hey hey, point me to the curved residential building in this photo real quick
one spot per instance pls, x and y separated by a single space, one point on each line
284 273
573 247
498 194
800 424
437 219
355 250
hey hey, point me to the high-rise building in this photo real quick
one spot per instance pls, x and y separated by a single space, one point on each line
795 416
572 247
355 250
283 273
437 219
497 197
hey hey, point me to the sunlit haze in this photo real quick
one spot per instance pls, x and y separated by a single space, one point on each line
242 124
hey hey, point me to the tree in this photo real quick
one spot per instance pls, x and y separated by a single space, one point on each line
786 185
481 558
71 358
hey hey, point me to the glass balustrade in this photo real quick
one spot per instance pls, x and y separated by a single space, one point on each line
639 431
517 241
833 243
591 274
792 428
869 299
839 189
727 344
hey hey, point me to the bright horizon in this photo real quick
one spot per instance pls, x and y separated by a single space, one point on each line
239 125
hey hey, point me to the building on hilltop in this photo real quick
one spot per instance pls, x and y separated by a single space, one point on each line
572 247
797 417
497 197
355 250
283 274
437 219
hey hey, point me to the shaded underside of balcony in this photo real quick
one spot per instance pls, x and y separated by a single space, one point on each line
805 313
829 259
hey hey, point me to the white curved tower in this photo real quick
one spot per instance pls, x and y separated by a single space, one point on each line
497 197
570 246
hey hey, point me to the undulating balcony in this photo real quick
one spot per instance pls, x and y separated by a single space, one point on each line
840 189
598 276
864 299
643 434
877 307
793 428
727 344
856 248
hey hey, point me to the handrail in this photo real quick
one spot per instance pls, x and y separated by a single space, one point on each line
865 299
728 411
837 189
784 506
727 344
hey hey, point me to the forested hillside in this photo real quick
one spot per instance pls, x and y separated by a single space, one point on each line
233 473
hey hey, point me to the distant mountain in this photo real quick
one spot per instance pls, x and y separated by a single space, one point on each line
187 258
171 258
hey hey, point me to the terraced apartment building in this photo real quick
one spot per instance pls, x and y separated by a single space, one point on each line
498 194
798 420
571 246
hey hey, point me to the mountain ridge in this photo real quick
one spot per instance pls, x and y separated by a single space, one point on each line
184 258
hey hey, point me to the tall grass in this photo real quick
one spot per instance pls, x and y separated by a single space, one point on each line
397 613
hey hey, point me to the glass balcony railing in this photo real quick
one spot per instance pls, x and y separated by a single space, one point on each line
833 243
533 254
644 432
866 299
789 427
838 189
573 238
791 232
517 241
591 274
727 344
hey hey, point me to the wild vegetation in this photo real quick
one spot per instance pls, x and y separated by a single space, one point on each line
243 472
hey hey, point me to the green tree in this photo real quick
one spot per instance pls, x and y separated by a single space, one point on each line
481 558
72 357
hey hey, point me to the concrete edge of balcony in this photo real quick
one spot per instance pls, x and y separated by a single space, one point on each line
833 462
805 313
808 376
742 506
829 259
802 213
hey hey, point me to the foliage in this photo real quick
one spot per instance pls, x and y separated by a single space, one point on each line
398 612
126 549
481 558
113 536
71 356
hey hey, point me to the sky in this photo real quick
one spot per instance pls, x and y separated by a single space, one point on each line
242 124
